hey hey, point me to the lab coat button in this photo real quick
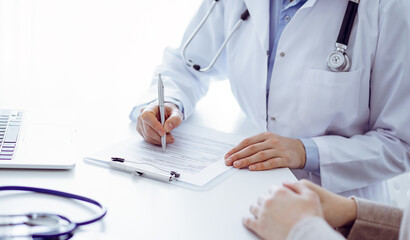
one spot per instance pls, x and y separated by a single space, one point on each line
273 119
287 18
282 54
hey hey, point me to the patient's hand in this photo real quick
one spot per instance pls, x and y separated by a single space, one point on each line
275 214
337 210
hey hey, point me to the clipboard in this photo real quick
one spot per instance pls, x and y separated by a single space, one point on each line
194 161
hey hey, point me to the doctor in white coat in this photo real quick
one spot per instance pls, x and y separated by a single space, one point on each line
346 131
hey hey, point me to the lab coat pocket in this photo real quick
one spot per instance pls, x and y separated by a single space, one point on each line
328 100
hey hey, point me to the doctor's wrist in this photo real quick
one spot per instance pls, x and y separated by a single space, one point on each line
301 152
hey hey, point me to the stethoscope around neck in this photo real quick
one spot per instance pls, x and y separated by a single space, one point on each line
190 63
337 61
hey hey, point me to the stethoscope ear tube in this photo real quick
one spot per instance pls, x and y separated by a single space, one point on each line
244 16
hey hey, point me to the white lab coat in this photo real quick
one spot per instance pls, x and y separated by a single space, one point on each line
360 120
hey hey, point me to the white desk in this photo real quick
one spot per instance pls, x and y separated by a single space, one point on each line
139 207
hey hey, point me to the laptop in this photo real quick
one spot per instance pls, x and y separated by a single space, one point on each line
28 144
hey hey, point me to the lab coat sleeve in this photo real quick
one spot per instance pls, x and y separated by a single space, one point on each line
184 83
383 151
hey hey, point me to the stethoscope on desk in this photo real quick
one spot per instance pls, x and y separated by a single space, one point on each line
337 61
43 226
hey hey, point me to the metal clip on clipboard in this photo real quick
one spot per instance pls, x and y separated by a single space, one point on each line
122 165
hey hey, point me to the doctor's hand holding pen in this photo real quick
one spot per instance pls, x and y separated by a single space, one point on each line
149 122
267 151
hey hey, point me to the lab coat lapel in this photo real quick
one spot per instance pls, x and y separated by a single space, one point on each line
259 12
308 4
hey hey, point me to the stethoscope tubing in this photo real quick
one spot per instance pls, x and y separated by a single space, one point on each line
347 24
338 60
244 17
193 34
237 25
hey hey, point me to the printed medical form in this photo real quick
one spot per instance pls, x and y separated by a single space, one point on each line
189 154
197 154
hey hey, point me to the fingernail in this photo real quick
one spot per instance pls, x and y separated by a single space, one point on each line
169 127
237 164
161 132
228 159
252 167
228 163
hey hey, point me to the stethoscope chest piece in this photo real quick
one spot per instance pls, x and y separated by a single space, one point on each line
338 60
39 226
44 226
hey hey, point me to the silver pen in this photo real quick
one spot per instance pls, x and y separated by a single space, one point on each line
128 167
161 109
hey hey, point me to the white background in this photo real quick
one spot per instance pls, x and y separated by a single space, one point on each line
91 59
93 55
53 51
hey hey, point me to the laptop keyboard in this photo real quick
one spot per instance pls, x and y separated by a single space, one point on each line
10 123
